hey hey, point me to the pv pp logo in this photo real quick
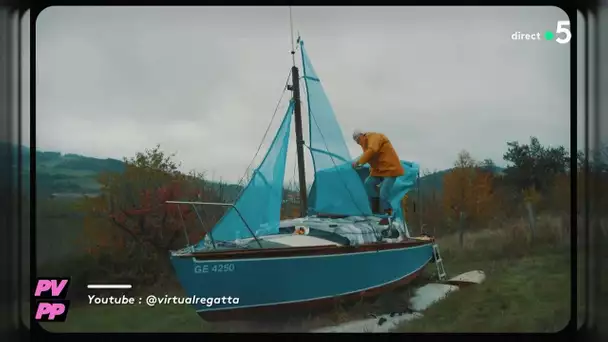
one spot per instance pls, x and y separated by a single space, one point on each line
51 305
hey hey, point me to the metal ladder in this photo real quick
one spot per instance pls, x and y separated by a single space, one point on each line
439 263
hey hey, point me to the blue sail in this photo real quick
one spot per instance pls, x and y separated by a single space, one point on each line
259 204
402 186
337 188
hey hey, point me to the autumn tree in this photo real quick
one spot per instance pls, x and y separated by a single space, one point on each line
457 184
130 223
422 205
467 188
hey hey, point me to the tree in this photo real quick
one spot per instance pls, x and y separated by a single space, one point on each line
533 165
468 188
132 225
488 165
464 160
483 187
457 183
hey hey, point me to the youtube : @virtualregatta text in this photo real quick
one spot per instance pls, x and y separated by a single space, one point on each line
153 300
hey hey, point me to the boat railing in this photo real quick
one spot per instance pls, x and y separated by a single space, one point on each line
194 204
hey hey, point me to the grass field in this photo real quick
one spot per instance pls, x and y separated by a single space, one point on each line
527 289
530 294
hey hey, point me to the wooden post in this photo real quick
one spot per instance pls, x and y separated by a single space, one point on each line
531 219
461 229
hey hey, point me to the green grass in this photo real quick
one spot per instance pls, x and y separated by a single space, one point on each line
527 287
530 294
59 231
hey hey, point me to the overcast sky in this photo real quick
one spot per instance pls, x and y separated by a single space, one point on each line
204 81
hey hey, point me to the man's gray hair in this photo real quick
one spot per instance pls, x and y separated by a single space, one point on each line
356 134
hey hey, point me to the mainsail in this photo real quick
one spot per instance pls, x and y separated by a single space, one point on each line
259 204
337 188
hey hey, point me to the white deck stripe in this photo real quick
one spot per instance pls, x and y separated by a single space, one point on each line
309 256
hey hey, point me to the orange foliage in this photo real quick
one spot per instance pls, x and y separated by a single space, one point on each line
468 190
404 207
290 210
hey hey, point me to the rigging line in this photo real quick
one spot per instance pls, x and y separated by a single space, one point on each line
366 219
335 165
293 177
265 133
350 194
333 161
293 50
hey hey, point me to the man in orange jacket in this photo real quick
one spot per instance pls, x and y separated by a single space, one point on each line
385 167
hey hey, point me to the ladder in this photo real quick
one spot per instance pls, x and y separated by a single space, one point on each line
438 263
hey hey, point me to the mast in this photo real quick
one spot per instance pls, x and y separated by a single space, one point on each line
295 73
295 88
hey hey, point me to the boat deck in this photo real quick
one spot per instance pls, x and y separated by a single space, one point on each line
293 240
315 232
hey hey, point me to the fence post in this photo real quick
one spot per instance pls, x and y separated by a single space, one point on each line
531 218
461 229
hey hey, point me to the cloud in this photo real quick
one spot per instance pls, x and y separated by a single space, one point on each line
204 81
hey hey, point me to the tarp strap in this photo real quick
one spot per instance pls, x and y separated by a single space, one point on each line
311 78
327 153
262 176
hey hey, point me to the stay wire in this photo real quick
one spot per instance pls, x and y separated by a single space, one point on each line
352 197
276 109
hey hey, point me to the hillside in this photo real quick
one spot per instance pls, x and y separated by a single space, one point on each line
74 175
68 175
65 174
435 180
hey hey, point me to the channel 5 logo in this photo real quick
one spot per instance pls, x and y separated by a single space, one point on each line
50 294
562 34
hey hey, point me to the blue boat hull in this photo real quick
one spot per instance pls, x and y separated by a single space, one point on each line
263 280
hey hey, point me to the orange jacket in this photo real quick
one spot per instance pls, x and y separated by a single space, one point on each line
381 156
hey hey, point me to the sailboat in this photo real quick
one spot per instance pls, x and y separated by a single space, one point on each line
338 249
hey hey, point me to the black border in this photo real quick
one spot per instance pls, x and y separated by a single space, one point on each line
569 330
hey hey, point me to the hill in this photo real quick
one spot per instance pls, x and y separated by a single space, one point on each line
64 174
74 175
434 181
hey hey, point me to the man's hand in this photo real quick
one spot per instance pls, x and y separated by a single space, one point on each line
355 165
